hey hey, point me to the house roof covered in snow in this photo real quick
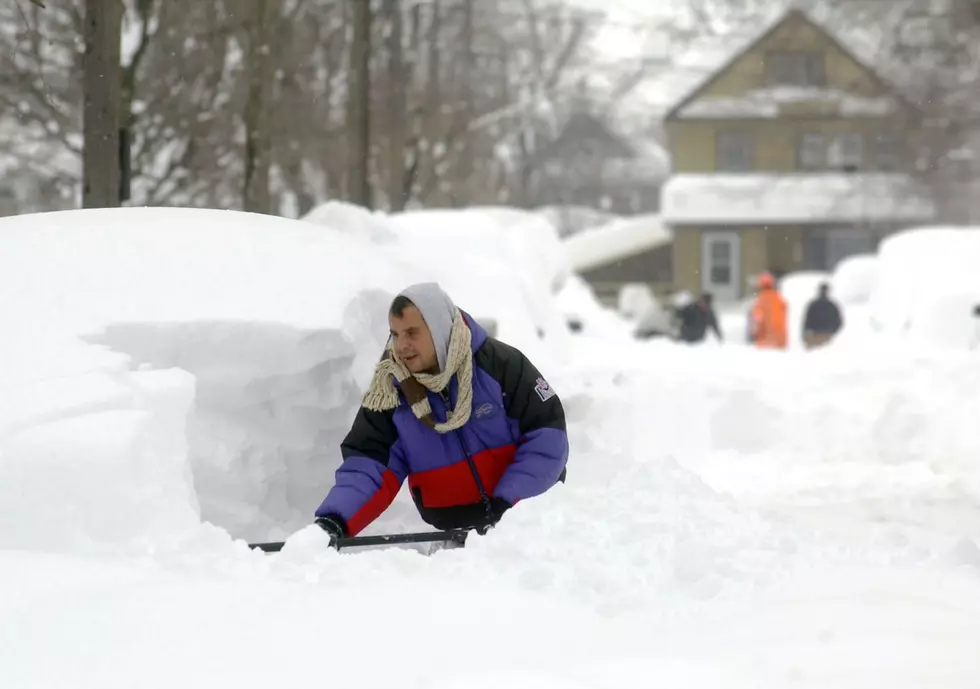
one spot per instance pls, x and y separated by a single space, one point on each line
760 198
735 45
616 240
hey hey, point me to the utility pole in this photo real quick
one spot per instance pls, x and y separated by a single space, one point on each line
359 106
101 114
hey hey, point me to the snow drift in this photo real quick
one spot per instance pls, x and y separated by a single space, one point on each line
926 287
500 263
219 349
732 519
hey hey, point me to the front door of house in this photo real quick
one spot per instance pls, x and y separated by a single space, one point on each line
720 265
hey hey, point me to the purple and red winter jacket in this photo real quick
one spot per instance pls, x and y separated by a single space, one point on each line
515 442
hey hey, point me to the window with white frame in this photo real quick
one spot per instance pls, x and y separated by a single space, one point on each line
811 152
795 68
846 152
735 152
721 262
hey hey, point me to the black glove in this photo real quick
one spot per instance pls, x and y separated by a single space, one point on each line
334 526
497 508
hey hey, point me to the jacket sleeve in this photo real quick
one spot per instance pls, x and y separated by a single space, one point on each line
530 402
370 475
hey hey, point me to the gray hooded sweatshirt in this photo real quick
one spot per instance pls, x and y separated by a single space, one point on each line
438 311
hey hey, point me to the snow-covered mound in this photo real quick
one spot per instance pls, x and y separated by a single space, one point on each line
580 307
247 339
927 286
498 270
731 520
352 219
854 278
534 238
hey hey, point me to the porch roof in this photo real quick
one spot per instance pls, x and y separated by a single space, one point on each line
616 240
793 198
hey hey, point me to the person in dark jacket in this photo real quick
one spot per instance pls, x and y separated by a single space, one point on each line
696 318
468 420
823 319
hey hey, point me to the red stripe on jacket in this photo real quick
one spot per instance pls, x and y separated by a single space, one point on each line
376 504
454 485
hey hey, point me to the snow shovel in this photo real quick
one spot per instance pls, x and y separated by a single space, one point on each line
456 537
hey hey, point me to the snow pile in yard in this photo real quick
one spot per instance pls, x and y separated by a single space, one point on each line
803 198
257 334
579 305
732 519
854 278
347 217
535 240
927 286
502 265
616 241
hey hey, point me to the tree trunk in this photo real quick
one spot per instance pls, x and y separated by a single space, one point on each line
397 114
258 139
102 85
359 108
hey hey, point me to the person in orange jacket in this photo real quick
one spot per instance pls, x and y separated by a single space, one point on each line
768 316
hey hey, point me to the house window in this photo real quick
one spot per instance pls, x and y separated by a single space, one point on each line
886 152
786 68
735 152
720 261
846 152
811 152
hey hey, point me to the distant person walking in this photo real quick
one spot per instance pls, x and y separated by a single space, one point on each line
767 319
823 319
695 319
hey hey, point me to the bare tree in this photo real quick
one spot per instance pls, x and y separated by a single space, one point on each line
359 104
220 109
102 87
258 34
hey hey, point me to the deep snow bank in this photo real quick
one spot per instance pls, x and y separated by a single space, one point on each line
91 452
246 339
926 287
503 265
499 263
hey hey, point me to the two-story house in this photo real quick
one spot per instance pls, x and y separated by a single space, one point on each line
791 156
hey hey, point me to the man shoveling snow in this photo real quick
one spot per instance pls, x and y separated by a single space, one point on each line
467 419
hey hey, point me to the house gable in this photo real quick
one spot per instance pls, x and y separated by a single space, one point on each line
843 85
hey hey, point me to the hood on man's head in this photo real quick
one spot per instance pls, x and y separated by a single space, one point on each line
437 310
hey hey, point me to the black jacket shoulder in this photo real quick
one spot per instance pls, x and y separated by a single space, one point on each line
527 395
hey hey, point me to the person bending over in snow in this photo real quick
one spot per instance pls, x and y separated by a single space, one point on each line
466 418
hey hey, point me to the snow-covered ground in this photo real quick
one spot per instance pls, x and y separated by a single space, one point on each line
732 518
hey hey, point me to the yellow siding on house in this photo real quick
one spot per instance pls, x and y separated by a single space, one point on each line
776 135
784 246
754 257
755 254
776 141
748 72
687 260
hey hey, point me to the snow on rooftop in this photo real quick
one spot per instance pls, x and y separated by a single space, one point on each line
771 103
863 28
801 198
614 241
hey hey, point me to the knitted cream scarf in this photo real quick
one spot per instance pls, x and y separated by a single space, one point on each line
382 395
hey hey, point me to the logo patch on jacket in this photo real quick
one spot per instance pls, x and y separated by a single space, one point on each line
485 410
545 391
